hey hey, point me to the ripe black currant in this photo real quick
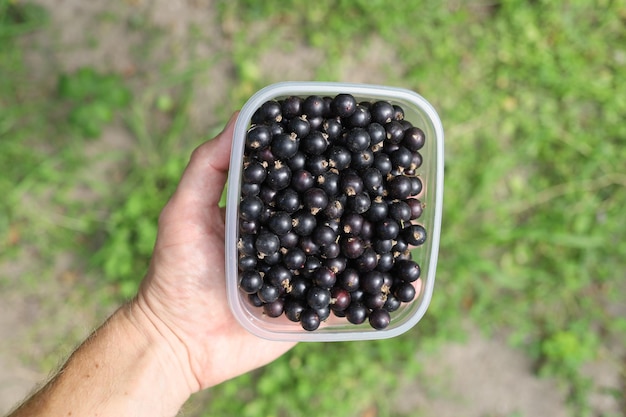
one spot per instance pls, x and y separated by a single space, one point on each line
291 107
309 319
356 313
382 112
313 106
414 138
343 105
318 297
414 234
258 137
250 281
379 318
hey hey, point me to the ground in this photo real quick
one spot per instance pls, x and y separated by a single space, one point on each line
481 377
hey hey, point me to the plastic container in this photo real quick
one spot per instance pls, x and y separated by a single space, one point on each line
421 114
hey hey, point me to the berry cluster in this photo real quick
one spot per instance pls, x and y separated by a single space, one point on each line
328 200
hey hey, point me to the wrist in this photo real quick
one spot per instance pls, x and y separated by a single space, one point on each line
166 351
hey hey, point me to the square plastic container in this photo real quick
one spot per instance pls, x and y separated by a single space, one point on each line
417 111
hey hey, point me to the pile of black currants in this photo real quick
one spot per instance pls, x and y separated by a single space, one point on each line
329 199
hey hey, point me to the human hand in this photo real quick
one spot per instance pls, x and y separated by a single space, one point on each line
184 292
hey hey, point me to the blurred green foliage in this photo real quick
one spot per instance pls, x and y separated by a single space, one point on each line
531 98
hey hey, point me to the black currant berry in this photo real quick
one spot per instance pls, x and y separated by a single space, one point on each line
275 308
356 313
372 282
329 182
339 157
377 134
309 320
324 235
400 211
299 287
399 187
359 203
401 158
288 200
386 262
268 293
303 222
382 163
334 210
323 277
317 164
414 234
280 223
293 308
332 128
313 106
352 247
350 183
379 318
289 240
308 246
291 107
258 137
300 126
360 118
339 298
318 297
343 105
405 292
337 264
387 229
294 258
407 270
417 208
351 224
357 139
254 173
245 245
414 138
278 176
285 146
302 180
250 281
315 199
315 143
377 211
367 261
267 243
395 132
416 186
247 263
250 208
398 112
382 112
330 251
362 160
374 301
349 279
271 111
392 303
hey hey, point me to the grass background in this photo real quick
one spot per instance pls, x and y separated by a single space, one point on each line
532 98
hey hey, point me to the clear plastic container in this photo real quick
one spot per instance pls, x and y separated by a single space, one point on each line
421 114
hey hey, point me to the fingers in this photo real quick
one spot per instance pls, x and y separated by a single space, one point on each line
205 175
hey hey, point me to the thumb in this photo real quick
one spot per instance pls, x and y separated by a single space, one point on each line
205 175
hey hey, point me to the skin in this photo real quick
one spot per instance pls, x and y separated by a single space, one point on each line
177 336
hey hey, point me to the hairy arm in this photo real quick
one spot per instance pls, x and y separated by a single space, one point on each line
178 335
125 368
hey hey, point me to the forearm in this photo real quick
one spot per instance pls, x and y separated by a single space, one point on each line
126 368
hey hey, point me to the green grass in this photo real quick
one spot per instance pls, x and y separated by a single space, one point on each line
532 231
